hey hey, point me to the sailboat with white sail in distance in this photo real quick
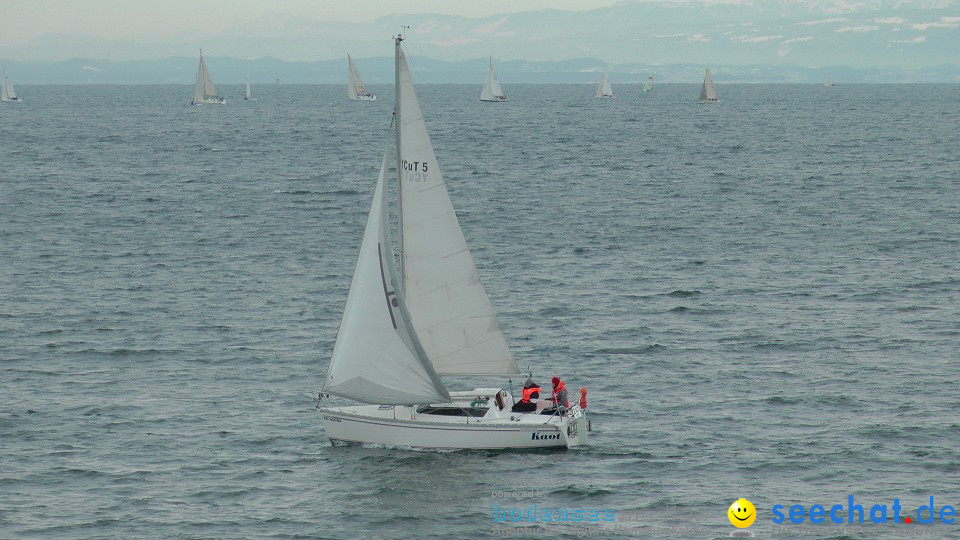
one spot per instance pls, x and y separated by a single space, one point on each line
491 87
355 88
604 90
414 317
7 93
708 92
204 92
249 96
649 86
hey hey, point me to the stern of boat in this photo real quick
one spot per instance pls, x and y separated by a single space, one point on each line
576 427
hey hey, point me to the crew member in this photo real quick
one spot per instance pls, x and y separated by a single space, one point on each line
558 397
531 395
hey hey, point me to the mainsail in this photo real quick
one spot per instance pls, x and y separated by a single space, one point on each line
204 88
7 94
450 309
491 87
355 85
708 92
604 90
377 357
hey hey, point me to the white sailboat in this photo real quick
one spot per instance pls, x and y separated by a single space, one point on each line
604 90
355 88
829 81
204 91
491 87
405 325
649 86
7 93
708 93
249 96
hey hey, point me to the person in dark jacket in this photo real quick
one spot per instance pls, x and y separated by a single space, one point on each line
528 401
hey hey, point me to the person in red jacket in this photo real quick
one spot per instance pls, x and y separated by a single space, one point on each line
558 397
529 399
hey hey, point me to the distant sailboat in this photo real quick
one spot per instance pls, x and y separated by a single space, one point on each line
491 87
649 86
829 81
604 90
355 88
708 94
205 92
249 97
8 94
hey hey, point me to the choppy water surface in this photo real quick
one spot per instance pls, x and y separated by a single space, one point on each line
762 296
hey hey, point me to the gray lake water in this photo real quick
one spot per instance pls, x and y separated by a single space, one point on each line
762 297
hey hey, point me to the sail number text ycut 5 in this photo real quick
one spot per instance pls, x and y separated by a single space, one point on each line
414 171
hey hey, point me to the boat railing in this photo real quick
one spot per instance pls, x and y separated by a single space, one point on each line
327 401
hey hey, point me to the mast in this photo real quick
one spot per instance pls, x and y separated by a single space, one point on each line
396 112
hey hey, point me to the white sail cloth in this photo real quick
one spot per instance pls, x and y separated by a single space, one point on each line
377 357
204 88
451 311
491 87
604 90
708 92
7 93
401 331
355 86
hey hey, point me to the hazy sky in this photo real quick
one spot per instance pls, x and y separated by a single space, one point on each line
126 19
860 33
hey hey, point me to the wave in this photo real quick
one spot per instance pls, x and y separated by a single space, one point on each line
638 349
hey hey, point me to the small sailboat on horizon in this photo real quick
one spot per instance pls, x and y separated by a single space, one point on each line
491 87
204 92
249 96
829 81
7 93
355 87
708 92
604 90
649 86
419 313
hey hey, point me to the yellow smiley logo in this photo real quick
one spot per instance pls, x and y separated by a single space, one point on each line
742 513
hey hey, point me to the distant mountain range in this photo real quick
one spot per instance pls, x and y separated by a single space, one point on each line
426 70
745 40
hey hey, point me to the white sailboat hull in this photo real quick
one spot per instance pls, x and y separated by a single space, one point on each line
210 101
402 426
370 97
